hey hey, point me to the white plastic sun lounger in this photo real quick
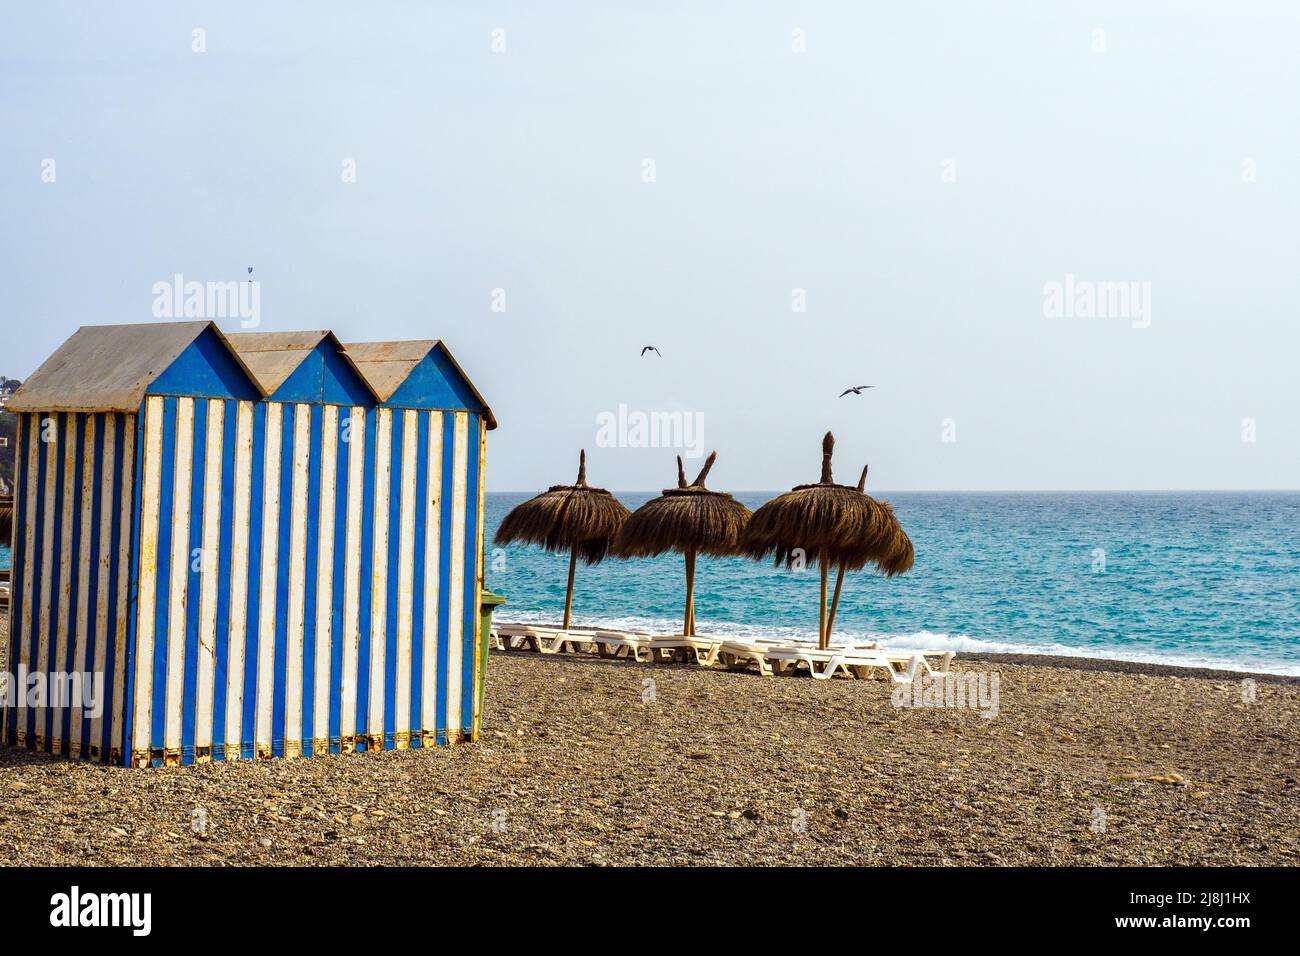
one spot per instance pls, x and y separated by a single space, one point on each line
859 660
634 645
544 640
901 666
552 640
736 653
701 649
932 662
850 645
936 662
507 636
555 640
824 664
517 627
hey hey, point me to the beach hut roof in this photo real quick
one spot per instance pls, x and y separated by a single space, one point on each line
386 365
109 368
273 357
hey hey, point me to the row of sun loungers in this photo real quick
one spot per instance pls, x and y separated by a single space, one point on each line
770 657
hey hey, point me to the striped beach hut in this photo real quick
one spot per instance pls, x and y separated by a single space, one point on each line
267 543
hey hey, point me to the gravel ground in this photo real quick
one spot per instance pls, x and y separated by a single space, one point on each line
574 767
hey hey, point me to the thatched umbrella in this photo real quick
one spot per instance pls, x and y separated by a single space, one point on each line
690 519
575 518
830 524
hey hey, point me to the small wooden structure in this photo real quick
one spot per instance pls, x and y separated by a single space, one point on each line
268 543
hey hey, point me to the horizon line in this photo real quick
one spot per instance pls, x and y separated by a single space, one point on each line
980 491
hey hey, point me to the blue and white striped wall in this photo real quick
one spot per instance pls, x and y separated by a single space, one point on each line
308 579
71 575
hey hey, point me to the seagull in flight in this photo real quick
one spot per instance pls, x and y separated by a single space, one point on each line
856 390
651 348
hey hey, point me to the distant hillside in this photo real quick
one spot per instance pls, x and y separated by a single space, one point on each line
8 446
8 437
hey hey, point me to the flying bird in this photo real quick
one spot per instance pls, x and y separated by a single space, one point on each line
651 348
856 390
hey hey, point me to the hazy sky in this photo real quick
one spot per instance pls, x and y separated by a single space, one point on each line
922 171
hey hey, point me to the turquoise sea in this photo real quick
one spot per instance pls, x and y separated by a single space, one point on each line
1209 579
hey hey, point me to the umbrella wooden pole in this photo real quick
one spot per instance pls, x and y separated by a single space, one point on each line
692 594
568 593
835 603
822 635
688 625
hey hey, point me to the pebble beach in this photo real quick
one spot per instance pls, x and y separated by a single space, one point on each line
585 761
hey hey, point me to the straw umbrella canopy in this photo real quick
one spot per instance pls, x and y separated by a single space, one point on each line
575 518
689 519
830 524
